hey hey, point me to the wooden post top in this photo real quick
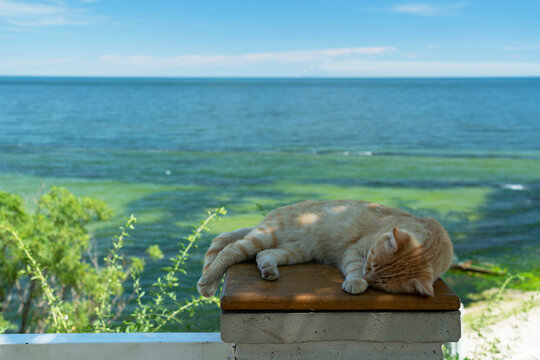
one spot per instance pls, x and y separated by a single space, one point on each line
311 286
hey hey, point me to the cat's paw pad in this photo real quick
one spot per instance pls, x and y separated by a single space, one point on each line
354 286
206 287
270 272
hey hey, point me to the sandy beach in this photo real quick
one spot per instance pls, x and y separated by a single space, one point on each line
515 333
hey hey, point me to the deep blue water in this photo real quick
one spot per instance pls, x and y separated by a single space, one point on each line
428 115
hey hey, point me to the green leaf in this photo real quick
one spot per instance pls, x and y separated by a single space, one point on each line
154 252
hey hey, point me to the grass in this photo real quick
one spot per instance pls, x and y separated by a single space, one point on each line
481 321
515 302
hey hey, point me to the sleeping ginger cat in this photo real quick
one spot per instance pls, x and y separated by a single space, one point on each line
371 244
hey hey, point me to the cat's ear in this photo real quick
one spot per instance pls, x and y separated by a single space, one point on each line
397 239
423 286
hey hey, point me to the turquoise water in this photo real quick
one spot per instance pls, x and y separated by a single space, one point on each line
465 151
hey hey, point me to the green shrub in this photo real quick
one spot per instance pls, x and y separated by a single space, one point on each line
48 283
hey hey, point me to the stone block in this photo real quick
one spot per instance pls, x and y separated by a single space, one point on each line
298 327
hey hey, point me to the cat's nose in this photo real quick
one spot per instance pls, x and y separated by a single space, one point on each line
368 275
366 270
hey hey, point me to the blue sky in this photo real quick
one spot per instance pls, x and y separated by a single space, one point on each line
270 38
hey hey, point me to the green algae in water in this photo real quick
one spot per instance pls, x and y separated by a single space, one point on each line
466 195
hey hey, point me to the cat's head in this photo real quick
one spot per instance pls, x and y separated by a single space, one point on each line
396 263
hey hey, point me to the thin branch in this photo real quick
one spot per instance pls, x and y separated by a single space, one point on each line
26 307
58 317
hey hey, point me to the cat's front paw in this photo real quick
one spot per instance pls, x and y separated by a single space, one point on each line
270 272
354 286
206 287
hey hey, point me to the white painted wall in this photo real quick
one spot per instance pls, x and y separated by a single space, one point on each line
117 346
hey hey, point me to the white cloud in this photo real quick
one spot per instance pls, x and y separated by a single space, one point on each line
116 65
31 63
286 57
340 62
427 68
41 13
521 48
424 9
314 55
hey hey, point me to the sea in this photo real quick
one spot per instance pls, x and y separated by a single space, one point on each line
463 150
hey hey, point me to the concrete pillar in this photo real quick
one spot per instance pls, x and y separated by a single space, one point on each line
306 315
340 335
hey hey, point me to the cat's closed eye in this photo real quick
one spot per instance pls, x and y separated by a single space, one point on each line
368 267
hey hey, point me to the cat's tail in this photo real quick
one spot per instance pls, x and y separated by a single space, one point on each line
220 242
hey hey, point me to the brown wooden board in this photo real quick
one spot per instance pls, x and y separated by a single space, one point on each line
312 286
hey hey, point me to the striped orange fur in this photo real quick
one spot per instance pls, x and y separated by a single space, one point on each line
372 244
